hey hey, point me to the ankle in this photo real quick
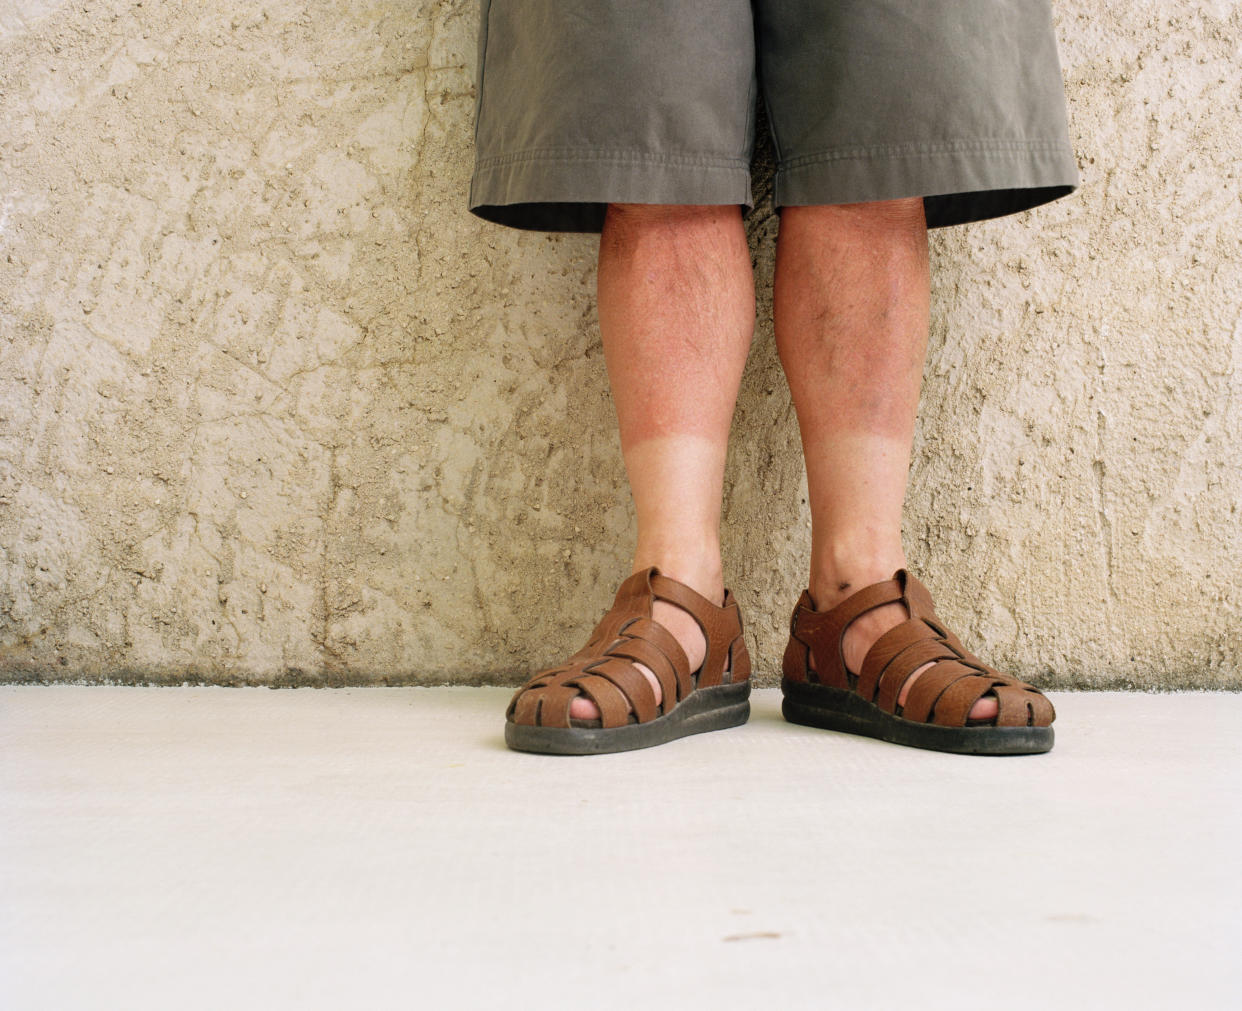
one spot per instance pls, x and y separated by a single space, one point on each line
697 567
834 581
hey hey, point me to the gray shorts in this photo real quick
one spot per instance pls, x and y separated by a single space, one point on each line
580 104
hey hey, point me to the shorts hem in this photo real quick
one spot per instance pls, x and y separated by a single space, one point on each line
960 180
568 190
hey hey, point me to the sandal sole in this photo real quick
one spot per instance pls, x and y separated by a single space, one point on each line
812 705
704 710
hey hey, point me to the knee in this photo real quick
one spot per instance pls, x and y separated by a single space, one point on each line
640 215
902 211
907 210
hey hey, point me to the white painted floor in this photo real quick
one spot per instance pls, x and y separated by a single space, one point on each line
380 848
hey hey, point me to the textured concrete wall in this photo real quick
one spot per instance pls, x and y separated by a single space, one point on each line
274 407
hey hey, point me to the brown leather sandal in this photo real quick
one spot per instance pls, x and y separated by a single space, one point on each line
936 713
714 697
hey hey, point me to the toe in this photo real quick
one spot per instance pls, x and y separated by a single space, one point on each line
582 708
985 709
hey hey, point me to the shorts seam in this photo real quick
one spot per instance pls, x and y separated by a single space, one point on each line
485 30
617 156
1004 148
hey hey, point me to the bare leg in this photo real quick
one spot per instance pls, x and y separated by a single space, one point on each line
676 314
851 298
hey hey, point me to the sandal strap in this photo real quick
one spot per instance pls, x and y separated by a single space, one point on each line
604 669
721 625
910 641
822 632
943 694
